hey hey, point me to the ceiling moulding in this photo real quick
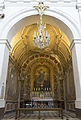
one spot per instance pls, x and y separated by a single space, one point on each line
26 1
2 6
78 5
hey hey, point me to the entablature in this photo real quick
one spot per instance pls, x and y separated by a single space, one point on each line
55 3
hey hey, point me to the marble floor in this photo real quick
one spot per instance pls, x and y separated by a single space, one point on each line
44 116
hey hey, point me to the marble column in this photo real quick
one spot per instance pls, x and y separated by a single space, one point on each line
61 90
64 87
19 92
76 60
58 88
4 57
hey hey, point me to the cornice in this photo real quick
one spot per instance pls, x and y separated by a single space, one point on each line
74 41
56 3
78 5
14 62
2 5
5 41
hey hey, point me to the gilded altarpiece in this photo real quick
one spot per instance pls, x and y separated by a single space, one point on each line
41 78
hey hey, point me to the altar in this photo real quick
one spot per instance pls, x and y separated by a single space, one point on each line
42 99
42 103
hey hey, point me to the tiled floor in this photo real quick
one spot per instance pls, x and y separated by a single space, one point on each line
44 116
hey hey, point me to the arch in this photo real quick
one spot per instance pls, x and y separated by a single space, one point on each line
16 21
22 18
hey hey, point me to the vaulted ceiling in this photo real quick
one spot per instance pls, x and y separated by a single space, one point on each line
23 49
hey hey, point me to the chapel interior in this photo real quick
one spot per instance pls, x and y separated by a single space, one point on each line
40 78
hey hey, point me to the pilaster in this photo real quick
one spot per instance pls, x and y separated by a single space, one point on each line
76 60
4 56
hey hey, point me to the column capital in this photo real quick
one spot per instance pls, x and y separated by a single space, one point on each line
74 41
78 6
5 41
2 103
78 103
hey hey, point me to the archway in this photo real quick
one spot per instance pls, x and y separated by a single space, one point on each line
10 32
25 54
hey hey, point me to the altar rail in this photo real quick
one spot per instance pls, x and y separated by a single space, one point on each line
18 110
11 105
43 104
70 105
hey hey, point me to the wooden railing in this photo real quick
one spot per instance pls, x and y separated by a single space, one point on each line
18 110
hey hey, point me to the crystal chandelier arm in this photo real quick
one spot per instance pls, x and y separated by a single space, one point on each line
41 19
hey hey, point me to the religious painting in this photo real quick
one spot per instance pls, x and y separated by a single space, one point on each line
12 84
42 78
